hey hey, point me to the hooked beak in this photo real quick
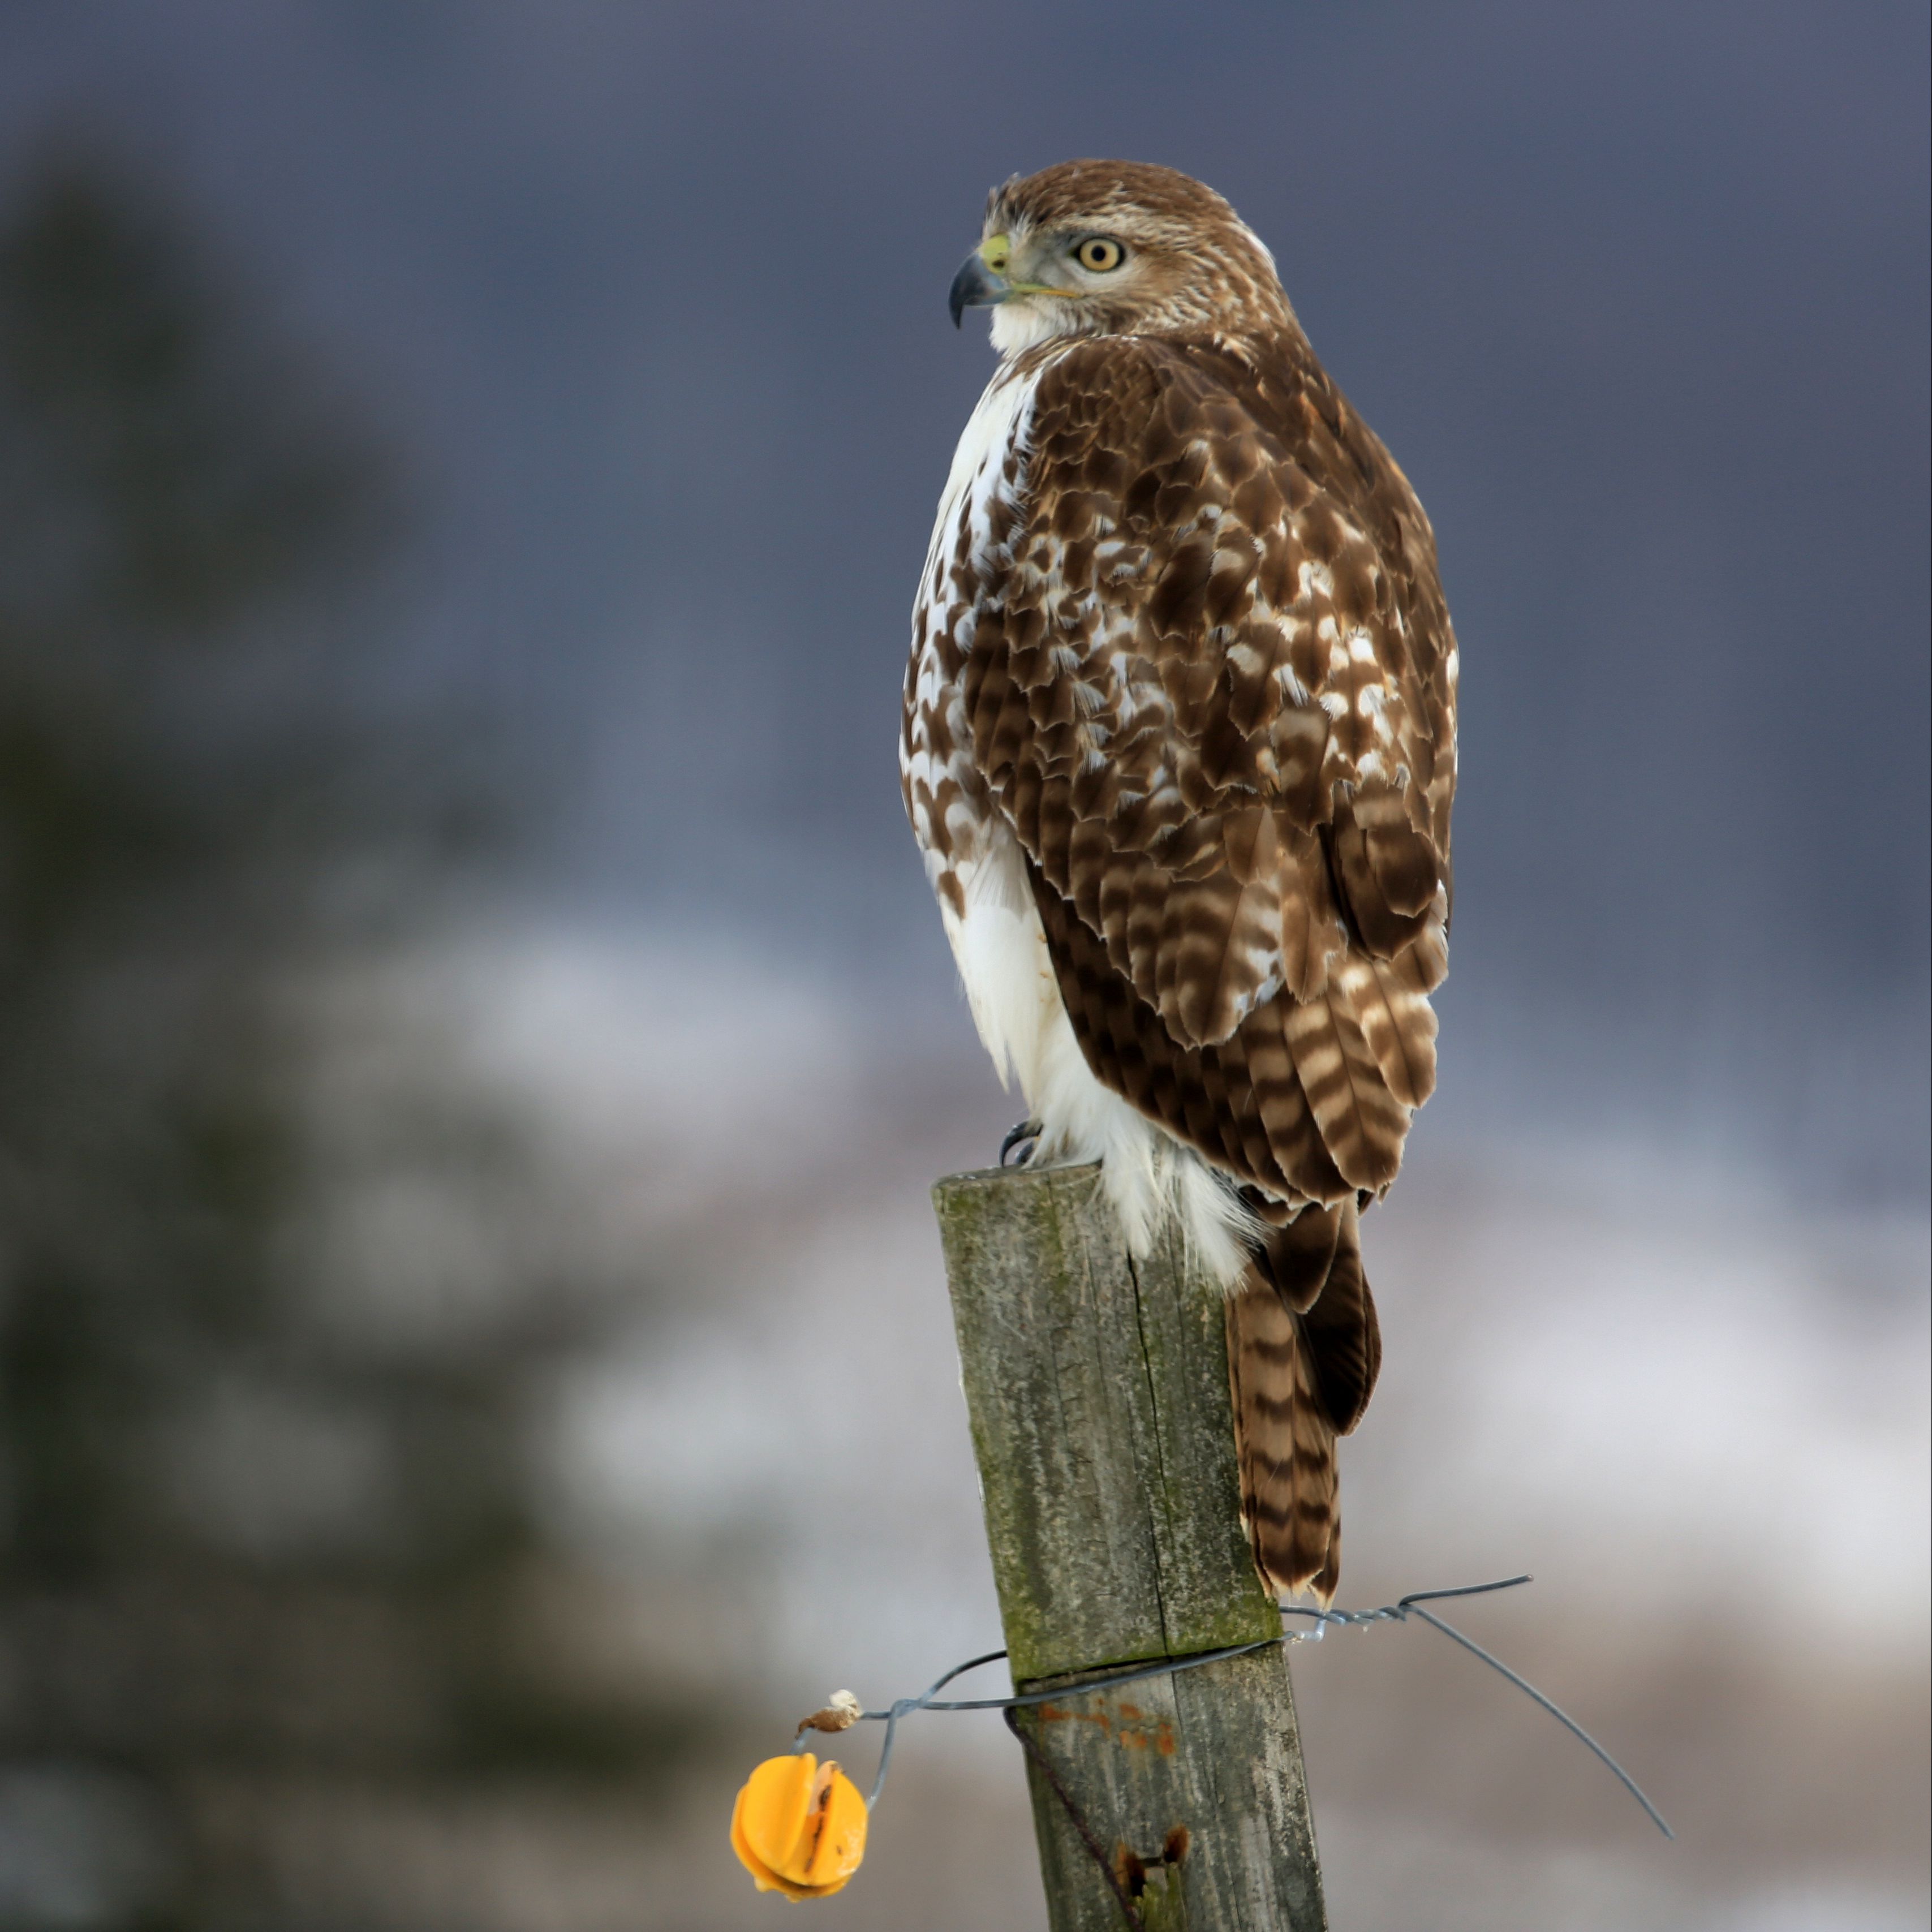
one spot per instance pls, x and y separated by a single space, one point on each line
976 286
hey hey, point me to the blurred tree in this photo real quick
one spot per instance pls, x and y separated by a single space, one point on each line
239 1545
147 512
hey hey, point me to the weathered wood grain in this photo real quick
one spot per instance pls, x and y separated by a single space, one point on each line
1097 1391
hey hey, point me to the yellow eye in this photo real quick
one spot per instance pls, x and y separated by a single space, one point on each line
1098 254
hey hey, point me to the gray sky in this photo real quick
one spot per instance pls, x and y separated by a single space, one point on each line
653 299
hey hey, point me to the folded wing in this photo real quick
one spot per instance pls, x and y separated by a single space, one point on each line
1211 685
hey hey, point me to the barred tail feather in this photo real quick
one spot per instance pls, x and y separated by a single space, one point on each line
1304 1348
1285 1447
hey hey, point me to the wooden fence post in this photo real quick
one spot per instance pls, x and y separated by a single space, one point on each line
1097 1389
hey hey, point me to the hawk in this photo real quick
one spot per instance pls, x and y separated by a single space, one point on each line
1179 749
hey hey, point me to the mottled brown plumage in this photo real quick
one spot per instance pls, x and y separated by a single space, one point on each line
1181 716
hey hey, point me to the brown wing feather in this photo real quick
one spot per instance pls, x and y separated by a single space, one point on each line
1340 1332
1241 1104
1210 685
1399 1024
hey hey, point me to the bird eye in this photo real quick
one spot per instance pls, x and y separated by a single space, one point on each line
1098 254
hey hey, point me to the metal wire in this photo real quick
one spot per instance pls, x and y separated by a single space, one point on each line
1398 1612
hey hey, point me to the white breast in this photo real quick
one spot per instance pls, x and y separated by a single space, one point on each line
999 424
937 765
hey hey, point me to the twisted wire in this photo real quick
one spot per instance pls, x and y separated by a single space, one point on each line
1398 1612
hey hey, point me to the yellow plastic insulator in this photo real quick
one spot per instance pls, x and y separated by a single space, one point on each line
799 1826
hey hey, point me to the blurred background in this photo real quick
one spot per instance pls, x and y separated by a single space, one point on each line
475 1040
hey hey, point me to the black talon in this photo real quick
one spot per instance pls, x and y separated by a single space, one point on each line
1021 1134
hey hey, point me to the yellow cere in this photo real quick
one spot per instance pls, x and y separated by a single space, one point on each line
799 1826
996 251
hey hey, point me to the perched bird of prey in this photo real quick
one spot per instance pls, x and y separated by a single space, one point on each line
1180 749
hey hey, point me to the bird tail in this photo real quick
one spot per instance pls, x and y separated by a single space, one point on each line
1304 1349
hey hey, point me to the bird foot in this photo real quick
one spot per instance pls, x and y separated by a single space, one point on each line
1019 1143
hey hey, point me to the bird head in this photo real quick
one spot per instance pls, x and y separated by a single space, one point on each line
1116 248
